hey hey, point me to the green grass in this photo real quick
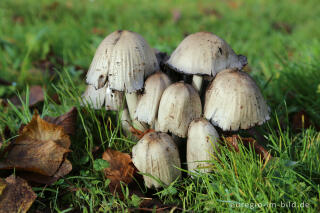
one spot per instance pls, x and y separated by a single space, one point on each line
281 41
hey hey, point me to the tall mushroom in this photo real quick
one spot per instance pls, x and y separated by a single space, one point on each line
148 105
179 105
124 59
204 53
156 154
233 101
201 143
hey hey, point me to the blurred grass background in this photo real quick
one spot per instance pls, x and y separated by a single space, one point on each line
276 36
281 39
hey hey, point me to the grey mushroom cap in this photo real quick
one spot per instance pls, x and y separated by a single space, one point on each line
233 101
157 154
201 145
179 105
114 100
204 53
123 59
148 105
95 98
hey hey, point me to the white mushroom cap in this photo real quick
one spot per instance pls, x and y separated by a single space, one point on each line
179 105
202 137
233 101
123 58
148 105
94 97
114 99
204 53
157 154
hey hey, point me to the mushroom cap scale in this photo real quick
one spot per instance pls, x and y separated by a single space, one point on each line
179 105
233 101
204 53
202 137
148 105
123 58
157 154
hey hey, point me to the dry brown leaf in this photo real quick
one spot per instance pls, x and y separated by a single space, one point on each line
300 120
64 169
17 195
36 95
121 168
41 148
67 121
233 141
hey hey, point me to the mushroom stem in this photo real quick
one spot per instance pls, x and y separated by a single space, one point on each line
197 82
132 100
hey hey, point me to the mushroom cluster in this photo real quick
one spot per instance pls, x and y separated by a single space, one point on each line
125 75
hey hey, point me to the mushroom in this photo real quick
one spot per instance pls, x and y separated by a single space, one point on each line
157 155
124 59
93 97
202 137
114 100
204 53
179 105
233 101
148 105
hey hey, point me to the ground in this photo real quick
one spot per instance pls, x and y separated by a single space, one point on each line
51 43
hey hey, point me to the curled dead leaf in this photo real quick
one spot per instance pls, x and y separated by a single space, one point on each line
233 142
36 95
41 148
121 168
67 121
16 195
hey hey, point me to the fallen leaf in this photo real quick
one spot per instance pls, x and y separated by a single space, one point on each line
300 120
98 31
18 19
67 121
211 11
121 168
282 26
36 95
233 142
64 169
16 196
40 148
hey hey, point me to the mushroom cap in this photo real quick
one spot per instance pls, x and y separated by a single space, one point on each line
202 137
94 97
123 58
204 53
233 101
179 105
114 100
157 154
148 104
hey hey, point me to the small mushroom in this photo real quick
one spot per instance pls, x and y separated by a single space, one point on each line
233 101
157 155
124 59
148 105
202 137
204 53
94 97
179 105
